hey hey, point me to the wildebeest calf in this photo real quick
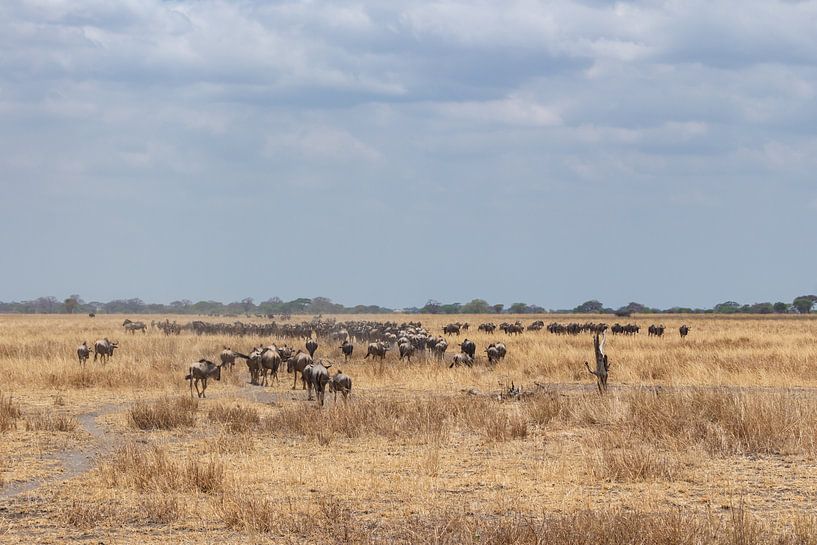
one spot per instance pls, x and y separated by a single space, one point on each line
347 348
83 352
340 383
200 372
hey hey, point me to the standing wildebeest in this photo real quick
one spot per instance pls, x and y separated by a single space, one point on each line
469 347
91 315
347 348
311 347
656 330
296 364
492 353
462 359
254 365
340 383
133 327
377 350
451 329
602 365
684 330
228 357
439 349
201 371
489 327
83 352
104 349
501 349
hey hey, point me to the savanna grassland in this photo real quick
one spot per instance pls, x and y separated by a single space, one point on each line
708 439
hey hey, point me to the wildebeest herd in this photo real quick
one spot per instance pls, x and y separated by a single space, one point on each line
409 340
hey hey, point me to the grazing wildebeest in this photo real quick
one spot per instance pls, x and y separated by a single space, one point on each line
602 364
83 352
684 330
133 327
340 383
228 357
462 359
311 347
489 327
469 347
347 348
377 350
270 362
451 329
296 364
200 372
104 349
406 351
492 353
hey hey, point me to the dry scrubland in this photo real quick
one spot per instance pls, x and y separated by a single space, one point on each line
707 440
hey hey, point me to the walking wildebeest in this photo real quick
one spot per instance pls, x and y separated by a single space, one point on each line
228 357
311 347
406 351
270 362
377 350
296 364
451 329
254 365
503 351
684 330
104 349
200 372
492 353
316 375
340 383
83 352
347 348
133 327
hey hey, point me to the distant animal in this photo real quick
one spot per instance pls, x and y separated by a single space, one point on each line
311 347
340 383
462 359
200 372
377 350
296 364
133 327
452 329
655 330
104 348
91 315
489 327
83 352
684 330
347 348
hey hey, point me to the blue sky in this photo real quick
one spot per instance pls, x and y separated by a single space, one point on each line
392 152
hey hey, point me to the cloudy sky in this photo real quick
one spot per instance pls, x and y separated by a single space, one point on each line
390 152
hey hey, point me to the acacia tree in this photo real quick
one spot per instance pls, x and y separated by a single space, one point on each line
804 303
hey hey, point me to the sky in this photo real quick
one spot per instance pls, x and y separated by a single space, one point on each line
663 152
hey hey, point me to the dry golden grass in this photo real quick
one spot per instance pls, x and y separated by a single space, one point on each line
703 440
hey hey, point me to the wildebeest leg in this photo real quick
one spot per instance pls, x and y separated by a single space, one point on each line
295 379
203 387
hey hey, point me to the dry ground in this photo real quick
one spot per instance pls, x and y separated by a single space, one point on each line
710 439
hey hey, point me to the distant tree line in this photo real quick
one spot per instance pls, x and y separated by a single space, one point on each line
803 304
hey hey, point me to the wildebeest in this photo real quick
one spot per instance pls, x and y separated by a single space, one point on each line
340 383
133 327
316 376
347 348
311 347
452 329
103 348
200 372
602 364
439 348
683 330
462 359
469 347
228 357
270 362
254 365
656 330
83 352
296 364
501 349
377 350
406 351
492 353
489 327
91 315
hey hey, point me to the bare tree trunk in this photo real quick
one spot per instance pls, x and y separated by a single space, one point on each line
602 364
